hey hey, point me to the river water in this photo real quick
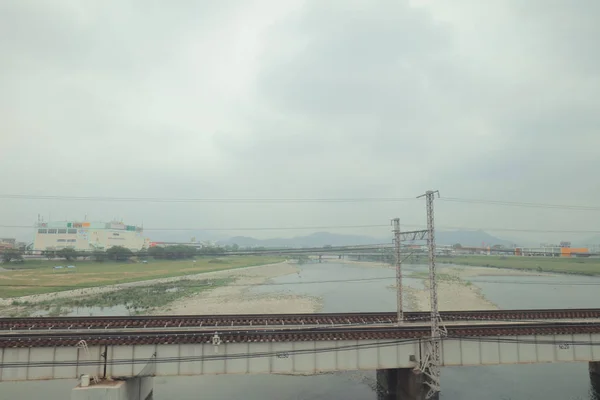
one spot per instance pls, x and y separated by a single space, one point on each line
371 292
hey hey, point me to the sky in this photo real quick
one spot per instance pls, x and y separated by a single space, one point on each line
240 99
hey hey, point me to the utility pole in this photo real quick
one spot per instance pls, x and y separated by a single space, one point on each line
431 367
396 223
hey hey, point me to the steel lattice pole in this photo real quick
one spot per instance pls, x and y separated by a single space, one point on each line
435 347
400 309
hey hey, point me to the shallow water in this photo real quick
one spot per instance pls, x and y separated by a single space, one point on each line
370 292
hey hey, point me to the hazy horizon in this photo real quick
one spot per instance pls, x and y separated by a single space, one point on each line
301 100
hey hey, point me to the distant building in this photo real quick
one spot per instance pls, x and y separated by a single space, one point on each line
553 251
88 236
7 243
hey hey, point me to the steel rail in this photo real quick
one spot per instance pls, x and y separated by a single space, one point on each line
145 337
252 320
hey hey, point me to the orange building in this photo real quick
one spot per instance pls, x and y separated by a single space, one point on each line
574 251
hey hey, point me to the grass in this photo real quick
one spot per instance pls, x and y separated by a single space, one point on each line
38 277
136 300
440 277
570 265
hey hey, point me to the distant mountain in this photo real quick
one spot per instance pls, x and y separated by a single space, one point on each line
591 241
317 239
470 238
182 236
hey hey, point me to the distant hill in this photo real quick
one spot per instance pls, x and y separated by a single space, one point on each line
591 241
319 239
182 236
470 238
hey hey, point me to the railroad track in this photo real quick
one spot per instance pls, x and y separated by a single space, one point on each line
279 320
145 337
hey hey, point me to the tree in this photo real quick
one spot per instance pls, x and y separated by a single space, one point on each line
119 253
211 250
179 252
67 253
156 252
99 255
49 254
11 254
457 246
142 254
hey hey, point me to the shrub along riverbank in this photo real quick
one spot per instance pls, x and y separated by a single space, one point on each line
563 265
40 277
136 300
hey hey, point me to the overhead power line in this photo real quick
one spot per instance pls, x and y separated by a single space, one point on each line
268 200
208 200
272 228
204 285
185 283
267 354
367 226
520 204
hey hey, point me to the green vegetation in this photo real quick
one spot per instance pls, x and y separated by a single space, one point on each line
137 300
439 277
565 265
118 253
68 254
300 258
38 276
9 255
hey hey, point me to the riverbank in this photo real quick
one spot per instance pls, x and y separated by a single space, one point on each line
40 277
558 265
454 294
218 292
237 298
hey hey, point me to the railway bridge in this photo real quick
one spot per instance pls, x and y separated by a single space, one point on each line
122 354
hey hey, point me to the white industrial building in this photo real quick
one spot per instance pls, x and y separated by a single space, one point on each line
88 236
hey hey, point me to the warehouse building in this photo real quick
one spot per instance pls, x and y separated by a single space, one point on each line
88 236
545 250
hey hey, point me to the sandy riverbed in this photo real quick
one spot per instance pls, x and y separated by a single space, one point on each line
454 291
233 299
237 299
453 296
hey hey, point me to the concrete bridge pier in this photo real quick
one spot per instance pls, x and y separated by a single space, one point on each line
594 368
139 388
401 384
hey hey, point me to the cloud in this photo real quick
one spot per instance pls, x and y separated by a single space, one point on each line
300 99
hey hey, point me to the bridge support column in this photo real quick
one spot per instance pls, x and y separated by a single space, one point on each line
594 368
400 384
130 389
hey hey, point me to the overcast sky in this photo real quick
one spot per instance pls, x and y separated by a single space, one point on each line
301 99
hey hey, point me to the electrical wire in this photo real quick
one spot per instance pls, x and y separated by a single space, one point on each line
209 200
587 283
239 228
290 352
210 357
520 204
139 283
366 226
293 200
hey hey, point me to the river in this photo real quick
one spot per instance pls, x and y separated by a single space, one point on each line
514 382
